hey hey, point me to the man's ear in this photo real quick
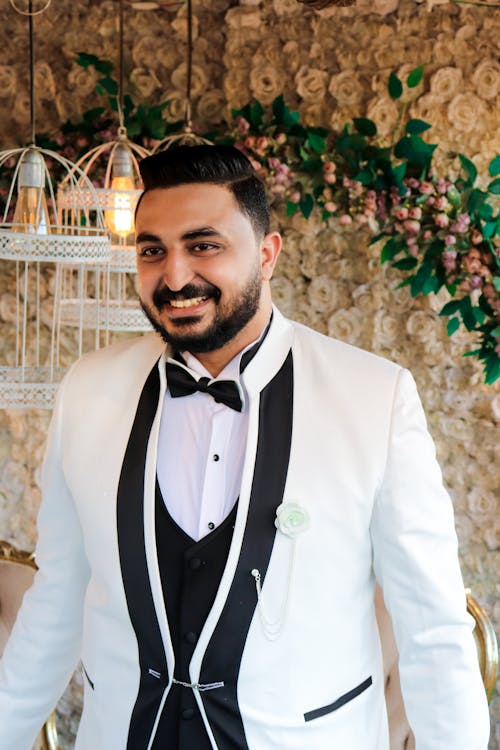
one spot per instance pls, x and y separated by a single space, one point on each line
269 250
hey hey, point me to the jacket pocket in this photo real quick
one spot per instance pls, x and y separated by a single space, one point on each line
317 712
86 675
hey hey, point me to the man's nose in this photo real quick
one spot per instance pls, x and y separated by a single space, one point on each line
177 271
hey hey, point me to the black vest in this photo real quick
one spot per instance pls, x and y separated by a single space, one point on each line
190 575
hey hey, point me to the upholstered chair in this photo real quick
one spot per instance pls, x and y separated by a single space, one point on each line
401 737
17 570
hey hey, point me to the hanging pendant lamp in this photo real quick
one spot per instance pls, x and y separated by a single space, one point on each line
187 136
118 309
39 239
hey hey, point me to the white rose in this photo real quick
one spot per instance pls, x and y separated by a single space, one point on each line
492 534
384 112
486 79
387 329
345 324
145 81
83 80
243 17
346 88
199 79
466 111
283 294
422 325
291 519
311 83
266 82
322 293
8 81
445 83
211 106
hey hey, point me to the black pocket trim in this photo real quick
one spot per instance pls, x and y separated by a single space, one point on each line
88 678
310 715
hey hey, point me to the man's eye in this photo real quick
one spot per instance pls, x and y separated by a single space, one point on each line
150 252
201 247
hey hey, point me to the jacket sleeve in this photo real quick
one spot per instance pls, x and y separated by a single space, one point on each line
44 646
416 563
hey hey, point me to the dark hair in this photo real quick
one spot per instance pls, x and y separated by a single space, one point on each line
219 165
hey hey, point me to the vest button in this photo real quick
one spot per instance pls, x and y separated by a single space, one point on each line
190 637
195 563
187 713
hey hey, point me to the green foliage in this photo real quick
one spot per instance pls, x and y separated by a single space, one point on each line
395 87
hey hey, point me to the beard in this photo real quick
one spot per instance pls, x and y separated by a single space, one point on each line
229 319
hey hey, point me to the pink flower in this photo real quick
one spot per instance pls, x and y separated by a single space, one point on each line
426 188
427 234
274 163
415 213
400 213
442 220
329 166
450 239
413 183
477 237
330 178
242 125
294 197
476 281
449 260
330 206
250 141
441 203
345 220
431 200
412 226
441 185
281 139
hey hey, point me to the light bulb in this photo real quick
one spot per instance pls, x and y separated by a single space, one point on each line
120 218
31 213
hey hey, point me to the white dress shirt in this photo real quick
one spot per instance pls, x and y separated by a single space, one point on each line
201 447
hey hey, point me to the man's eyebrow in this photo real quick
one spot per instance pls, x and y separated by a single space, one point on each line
146 237
201 232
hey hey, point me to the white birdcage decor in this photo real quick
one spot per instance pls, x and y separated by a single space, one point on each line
116 195
113 168
39 242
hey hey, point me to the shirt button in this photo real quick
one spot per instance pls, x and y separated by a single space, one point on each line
195 563
211 525
187 713
190 637
216 457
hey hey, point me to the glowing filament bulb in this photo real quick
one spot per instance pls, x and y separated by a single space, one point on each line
120 218
31 213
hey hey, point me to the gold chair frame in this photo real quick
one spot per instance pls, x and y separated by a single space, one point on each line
486 642
9 553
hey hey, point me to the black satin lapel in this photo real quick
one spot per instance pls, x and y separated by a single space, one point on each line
130 524
224 652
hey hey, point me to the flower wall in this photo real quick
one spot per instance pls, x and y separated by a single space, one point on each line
331 65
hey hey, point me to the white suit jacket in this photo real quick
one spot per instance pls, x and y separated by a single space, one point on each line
337 431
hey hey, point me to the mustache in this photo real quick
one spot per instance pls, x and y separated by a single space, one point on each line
162 295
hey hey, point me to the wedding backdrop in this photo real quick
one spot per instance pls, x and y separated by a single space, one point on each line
331 66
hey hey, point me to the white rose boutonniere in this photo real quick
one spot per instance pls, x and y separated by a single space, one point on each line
291 519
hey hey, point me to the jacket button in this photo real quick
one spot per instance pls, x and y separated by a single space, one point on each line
187 713
195 563
190 637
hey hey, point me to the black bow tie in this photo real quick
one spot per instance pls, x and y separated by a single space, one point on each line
182 383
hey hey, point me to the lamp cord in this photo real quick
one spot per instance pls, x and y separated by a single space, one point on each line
32 72
120 71
189 71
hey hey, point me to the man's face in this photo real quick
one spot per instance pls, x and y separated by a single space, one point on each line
200 265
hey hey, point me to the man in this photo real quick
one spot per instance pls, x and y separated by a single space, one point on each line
215 515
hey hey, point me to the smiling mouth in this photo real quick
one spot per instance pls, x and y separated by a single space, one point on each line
183 303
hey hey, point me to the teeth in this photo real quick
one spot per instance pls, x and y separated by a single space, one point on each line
187 302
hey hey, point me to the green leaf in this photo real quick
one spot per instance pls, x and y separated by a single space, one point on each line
316 142
469 169
479 315
399 172
405 264
418 282
256 114
494 167
365 177
431 285
406 282
93 114
492 369
102 66
496 283
415 77
279 108
496 332
109 85
451 307
494 187
395 87
489 229
291 208
389 251
452 326
415 127
364 126
306 205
